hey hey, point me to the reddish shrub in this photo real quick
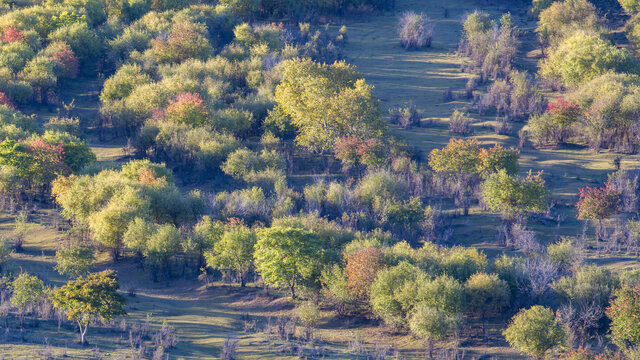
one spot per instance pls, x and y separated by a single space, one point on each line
563 111
4 100
12 34
188 108
68 61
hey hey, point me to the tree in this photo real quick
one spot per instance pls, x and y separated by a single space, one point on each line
429 324
161 246
5 251
328 102
624 313
562 18
188 108
286 255
386 292
234 251
515 196
361 270
90 298
458 157
28 291
535 331
597 204
630 6
486 294
584 56
496 158
74 261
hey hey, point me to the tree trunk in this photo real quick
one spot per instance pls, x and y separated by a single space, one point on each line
83 332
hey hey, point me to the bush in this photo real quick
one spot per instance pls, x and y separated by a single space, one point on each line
386 289
486 294
380 185
460 123
416 30
630 6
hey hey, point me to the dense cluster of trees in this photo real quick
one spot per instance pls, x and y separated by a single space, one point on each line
600 77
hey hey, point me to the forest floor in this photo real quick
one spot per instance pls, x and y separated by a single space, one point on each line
206 317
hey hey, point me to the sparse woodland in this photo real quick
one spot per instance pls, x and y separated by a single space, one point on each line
366 179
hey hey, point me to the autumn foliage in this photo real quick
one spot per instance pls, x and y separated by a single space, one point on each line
188 108
597 203
362 268
12 34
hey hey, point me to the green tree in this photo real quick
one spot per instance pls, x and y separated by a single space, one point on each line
74 261
563 18
5 251
90 298
535 331
28 291
386 292
328 102
514 196
161 246
458 157
234 252
285 255
624 313
584 56
486 294
429 324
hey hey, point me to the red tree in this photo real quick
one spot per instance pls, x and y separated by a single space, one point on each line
47 161
362 268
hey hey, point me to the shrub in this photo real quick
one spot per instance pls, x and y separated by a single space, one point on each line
386 289
534 331
84 42
514 196
630 6
416 30
460 123
381 185
406 116
188 108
